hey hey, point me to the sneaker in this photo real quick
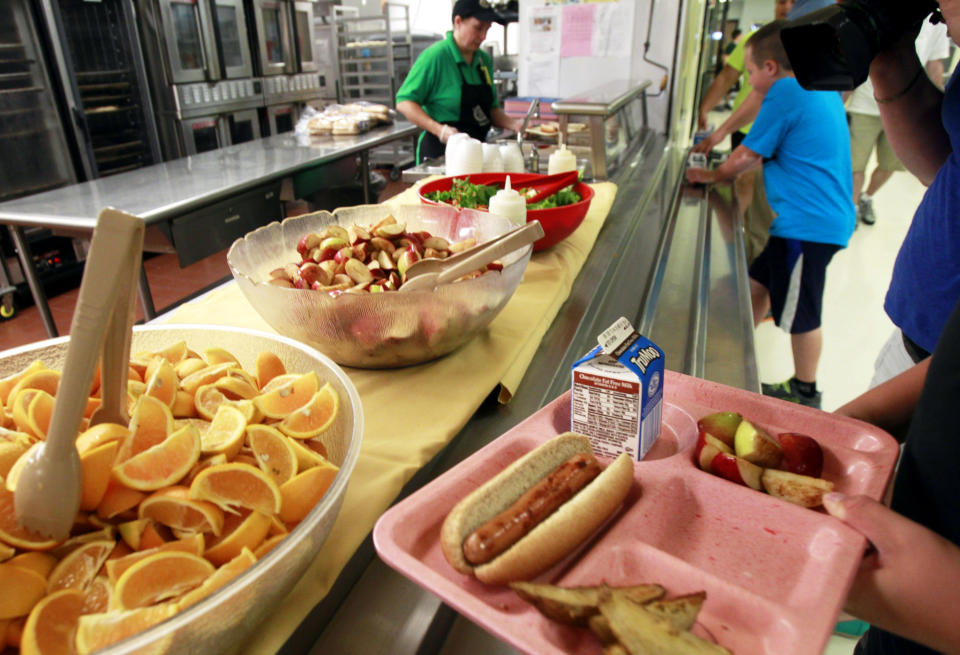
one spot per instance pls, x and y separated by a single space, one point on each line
865 210
788 391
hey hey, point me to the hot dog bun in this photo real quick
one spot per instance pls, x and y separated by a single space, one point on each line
554 538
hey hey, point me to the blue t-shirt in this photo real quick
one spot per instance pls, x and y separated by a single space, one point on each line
804 140
926 276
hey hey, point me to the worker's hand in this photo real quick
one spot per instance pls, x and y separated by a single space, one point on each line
910 585
709 143
702 121
446 132
701 176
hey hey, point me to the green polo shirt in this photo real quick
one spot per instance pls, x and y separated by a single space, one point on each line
738 61
435 78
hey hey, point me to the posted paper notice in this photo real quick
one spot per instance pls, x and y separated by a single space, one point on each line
577 30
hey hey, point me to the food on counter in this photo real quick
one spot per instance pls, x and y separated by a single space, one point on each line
216 467
372 258
535 512
466 195
786 467
352 118
635 620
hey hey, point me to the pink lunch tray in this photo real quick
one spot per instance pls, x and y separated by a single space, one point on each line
775 574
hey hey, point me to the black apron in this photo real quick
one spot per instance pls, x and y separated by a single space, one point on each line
476 104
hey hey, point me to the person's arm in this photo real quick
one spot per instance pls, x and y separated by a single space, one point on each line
720 86
910 107
743 115
414 113
890 405
911 585
501 119
934 69
742 159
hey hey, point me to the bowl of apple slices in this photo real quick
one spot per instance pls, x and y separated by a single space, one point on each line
787 466
332 280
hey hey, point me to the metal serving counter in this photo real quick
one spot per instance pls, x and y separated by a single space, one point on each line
197 204
670 259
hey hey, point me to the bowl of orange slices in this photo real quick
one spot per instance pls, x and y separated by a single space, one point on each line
198 517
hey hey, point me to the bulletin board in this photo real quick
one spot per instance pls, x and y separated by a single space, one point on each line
573 45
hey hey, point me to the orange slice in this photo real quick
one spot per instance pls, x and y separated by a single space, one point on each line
217 355
236 388
222 576
162 383
96 464
101 434
273 452
207 375
71 544
6 552
14 473
150 423
96 597
183 405
188 366
8 383
116 567
77 570
39 412
117 499
10 452
306 457
304 491
96 631
240 531
52 625
40 563
132 531
92 405
22 589
44 379
174 353
12 534
207 400
278 382
159 577
289 397
314 417
20 410
226 432
175 508
268 545
163 464
268 366
237 485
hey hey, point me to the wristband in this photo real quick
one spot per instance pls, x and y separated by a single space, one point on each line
906 90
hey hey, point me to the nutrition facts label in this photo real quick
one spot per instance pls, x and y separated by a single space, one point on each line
608 410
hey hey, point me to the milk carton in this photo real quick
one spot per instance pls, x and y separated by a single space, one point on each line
617 392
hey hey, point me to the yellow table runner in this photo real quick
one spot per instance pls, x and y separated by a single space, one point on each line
410 414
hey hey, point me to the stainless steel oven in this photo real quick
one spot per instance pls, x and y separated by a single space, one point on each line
243 126
205 41
276 49
282 118
308 59
203 134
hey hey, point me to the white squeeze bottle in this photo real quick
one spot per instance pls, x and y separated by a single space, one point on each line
512 158
492 162
561 161
507 202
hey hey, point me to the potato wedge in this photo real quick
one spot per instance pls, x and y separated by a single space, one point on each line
575 605
642 632
681 612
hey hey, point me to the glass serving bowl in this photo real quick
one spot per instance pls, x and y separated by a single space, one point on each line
377 330
221 622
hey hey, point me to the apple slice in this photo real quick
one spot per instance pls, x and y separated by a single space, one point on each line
722 425
709 446
801 454
756 446
736 469
800 490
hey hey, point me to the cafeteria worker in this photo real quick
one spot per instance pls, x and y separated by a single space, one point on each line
450 87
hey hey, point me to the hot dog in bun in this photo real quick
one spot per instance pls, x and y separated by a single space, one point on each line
536 511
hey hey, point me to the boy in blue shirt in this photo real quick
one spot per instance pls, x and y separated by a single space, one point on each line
802 139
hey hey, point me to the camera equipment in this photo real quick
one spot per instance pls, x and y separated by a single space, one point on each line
831 48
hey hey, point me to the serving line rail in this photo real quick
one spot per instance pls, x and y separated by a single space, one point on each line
670 259
165 195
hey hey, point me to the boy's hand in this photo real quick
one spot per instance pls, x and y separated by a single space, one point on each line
701 176
709 142
911 584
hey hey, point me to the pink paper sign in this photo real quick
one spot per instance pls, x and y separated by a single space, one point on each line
576 34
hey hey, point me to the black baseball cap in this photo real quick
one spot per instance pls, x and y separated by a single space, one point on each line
479 9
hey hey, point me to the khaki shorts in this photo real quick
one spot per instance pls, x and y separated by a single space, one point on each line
865 133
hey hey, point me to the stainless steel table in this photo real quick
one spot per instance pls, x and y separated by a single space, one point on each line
166 191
